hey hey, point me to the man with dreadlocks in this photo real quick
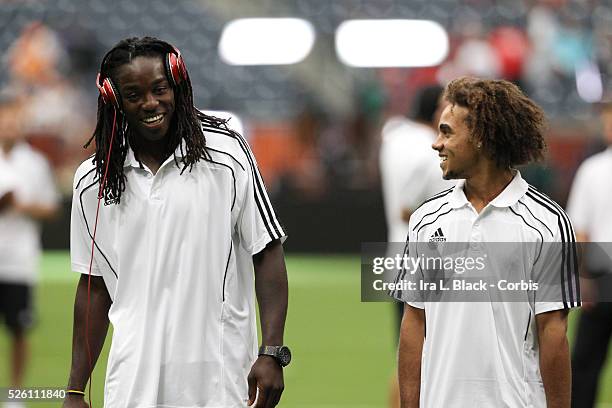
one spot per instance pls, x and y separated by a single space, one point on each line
492 348
171 252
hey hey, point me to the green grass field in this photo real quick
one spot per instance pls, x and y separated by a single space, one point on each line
343 349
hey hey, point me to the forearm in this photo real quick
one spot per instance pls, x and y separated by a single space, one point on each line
95 328
37 211
412 335
271 289
555 364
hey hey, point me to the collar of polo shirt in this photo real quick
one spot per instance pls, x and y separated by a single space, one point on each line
509 196
130 158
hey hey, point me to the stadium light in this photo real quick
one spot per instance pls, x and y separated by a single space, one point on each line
266 41
235 123
391 43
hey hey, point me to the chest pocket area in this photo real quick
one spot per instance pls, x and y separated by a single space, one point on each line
196 199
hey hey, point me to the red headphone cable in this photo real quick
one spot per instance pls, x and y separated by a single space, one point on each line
93 243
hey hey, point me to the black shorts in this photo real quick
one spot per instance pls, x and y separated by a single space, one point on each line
16 308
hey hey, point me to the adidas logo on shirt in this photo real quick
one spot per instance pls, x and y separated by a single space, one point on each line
437 236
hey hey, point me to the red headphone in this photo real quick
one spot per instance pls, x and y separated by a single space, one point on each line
175 70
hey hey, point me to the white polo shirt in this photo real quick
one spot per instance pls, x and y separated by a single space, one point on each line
590 198
176 258
410 171
8 180
486 353
28 175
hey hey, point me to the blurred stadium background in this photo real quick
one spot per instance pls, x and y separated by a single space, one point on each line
314 123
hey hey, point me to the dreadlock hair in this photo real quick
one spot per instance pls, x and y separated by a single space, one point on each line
502 118
185 125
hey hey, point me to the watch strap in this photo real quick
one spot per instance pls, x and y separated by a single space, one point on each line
269 351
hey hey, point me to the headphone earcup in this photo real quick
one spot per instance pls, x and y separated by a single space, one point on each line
111 92
176 68
108 92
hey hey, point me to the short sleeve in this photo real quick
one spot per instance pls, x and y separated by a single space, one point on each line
407 281
416 189
556 272
46 191
80 240
8 180
257 223
426 181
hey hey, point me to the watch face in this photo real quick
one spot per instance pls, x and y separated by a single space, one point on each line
284 355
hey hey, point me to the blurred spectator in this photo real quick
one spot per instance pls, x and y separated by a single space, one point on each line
363 134
308 175
474 55
590 207
542 28
410 168
512 47
572 46
57 113
28 195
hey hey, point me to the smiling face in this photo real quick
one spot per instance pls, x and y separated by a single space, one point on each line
147 97
459 156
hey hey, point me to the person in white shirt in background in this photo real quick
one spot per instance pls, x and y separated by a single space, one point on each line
589 207
410 173
27 196
410 170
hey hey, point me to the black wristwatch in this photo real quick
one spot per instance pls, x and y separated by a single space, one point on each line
281 354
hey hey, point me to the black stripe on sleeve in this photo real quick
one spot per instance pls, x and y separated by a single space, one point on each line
573 278
571 290
396 293
262 189
261 199
563 251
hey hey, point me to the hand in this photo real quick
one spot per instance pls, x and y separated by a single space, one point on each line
6 201
589 294
406 213
74 401
267 376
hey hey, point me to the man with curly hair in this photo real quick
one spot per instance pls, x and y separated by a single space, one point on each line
487 351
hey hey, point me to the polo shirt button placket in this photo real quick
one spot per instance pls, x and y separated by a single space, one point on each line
153 194
476 237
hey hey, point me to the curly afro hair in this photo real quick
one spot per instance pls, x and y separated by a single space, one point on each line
502 118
